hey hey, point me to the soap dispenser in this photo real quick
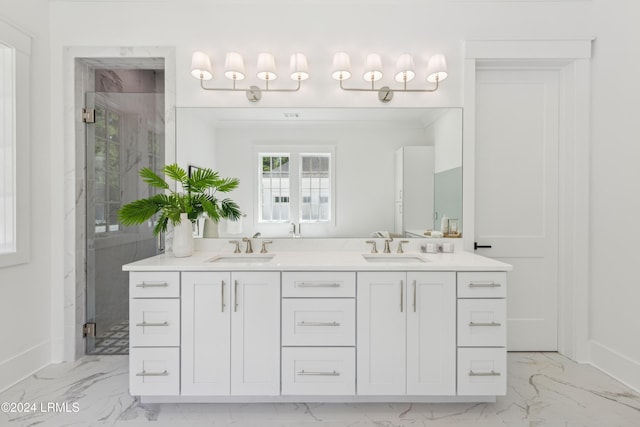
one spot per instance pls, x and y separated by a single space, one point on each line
444 225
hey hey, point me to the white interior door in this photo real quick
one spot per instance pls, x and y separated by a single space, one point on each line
517 196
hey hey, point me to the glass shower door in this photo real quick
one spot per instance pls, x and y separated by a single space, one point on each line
127 134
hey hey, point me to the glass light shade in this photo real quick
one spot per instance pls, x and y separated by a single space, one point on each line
373 68
299 67
437 68
405 68
201 66
341 66
234 66
266 67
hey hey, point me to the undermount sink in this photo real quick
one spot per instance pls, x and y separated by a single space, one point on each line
242 258
395 258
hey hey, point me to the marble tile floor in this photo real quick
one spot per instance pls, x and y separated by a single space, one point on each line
544 389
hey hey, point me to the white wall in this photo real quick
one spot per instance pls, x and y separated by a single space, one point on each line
391 27
615 196
364 162
199 135
443 132
25 290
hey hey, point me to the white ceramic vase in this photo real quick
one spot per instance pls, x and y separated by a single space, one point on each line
210 228
183 244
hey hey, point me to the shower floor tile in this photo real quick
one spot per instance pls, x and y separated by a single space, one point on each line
113 341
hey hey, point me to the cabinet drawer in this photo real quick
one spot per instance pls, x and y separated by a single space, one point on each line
482 322
485 284
318 371
311 322
154 371
154 322
482 371
319 284
155 284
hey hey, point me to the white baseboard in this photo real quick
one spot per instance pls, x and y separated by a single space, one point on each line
616 365
22 365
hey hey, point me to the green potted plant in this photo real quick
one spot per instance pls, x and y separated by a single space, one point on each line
198 197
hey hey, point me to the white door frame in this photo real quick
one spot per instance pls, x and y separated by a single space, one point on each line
571 58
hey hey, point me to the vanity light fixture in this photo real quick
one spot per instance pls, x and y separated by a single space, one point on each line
405 72
234 70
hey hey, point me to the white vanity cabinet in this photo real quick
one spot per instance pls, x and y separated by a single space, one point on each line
406 333
328 327
482 335
154 324
318 333
230 333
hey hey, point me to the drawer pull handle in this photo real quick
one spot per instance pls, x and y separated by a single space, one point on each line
414 296
318 285
152 324
320 373
152 374
235 295
222 296
152 285
484 285
318 323
484 374
485 324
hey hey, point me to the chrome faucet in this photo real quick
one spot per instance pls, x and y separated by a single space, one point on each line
374 249
293 232
264 246
249 249
237 248
387 249
400 251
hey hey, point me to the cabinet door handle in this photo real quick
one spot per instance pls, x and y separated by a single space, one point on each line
222 296
484 374
318 285
318 323
414 296
484 285
485 324
401 296
152 324
319 373
152 285
235 295
144 373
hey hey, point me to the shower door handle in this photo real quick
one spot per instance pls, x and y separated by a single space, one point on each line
160 243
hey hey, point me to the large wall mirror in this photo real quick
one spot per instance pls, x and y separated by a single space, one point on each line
332 172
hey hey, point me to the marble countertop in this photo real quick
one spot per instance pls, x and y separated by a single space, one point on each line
319 260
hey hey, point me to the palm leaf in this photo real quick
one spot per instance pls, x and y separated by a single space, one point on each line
176 173
151 178
230 209
227 184
196 198
137 212
161 224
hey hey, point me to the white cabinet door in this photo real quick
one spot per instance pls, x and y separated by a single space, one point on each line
431 333
381 326
206 333
255 333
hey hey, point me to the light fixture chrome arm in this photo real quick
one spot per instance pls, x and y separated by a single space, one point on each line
254 93
385 93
